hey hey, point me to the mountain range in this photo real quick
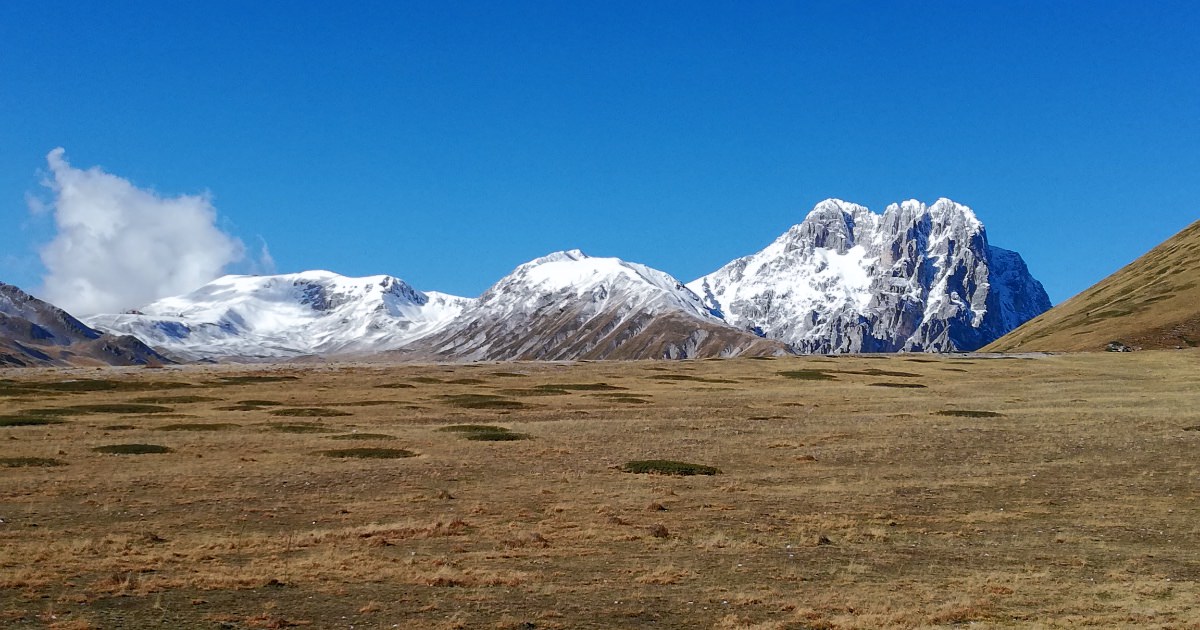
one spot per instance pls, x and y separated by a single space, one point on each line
34 333
914 278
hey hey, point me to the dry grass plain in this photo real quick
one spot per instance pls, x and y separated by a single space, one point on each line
855 492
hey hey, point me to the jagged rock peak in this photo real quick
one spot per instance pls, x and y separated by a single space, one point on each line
916 277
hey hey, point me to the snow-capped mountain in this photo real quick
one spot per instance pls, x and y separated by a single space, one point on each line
568 305
279 316
37 333
916 278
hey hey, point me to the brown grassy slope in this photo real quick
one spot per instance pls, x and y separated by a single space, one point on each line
1153 302
1051 492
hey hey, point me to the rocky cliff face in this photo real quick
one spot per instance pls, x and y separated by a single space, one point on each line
916 278
36 333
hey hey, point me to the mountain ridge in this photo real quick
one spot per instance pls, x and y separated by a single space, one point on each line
1150 303
915 277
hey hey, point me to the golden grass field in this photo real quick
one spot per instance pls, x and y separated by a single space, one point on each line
855 492
1148 304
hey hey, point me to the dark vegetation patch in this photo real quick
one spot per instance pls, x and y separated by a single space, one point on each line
120 408
534 391
14 388
308 412
633 399
915 360
261 403
198 426
368 453
809 375
465 381
969 413
173 400
104 385
19 420
668 467
482 401
762 358
299 427
582 387
953 370
250 379
132 449
485 432
361 403
49 411
509 374
876 372
425 379
23 462
118 427
689 377
899 385
363 436
395 386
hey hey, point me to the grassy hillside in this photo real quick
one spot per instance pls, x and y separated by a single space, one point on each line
1153 302
797 492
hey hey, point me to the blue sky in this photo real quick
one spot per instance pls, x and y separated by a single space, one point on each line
447 142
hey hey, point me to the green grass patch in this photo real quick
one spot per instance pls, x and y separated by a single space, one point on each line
668 467
877 372
532 391
308 412
299 427
581 387
808 375
968 413
107 385
23 462
363 436
173 400
132 449
198 426
633 399
19 420
251 379
485 432
368 453
899 385
120 408
482 401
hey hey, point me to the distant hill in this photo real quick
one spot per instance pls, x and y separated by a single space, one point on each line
34 333
1151 303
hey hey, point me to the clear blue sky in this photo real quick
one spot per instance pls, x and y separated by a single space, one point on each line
447 142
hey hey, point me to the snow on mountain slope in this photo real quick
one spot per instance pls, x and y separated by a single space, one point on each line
568 305
916 278
313 312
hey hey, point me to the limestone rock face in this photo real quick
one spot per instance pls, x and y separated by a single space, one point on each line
915 278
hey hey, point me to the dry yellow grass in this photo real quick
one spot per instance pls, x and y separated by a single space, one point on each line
841 503
1151 303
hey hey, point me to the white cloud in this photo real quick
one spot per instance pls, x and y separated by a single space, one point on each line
119 247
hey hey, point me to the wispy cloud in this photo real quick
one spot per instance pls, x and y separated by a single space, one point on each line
118 246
